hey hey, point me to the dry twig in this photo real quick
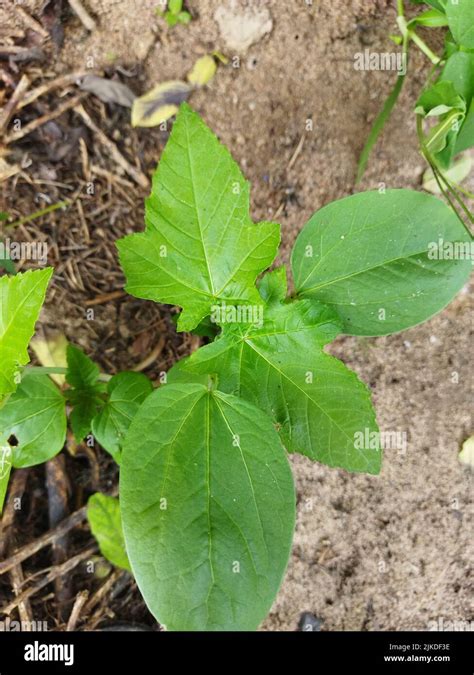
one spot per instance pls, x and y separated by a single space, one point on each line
79 603
57 83
84 16
137 175
39 121
30 22
13 103
53 574
48 538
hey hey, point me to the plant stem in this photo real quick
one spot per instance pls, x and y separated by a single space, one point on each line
464 191
37 214
440 178
421 44
56 370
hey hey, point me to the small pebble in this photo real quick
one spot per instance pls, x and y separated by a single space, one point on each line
309 623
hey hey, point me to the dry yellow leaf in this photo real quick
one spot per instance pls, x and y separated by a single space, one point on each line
203 71
51 352
159 104
466 456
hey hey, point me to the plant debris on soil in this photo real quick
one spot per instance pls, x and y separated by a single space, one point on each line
74 174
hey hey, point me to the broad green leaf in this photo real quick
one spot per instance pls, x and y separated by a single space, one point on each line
5 470
86 393
208 508
459 70
126 392
460 15
103 514
200 247
81 416
319 406
35 415
372 257
273 286
21 298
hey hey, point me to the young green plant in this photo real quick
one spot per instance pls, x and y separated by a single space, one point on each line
207 499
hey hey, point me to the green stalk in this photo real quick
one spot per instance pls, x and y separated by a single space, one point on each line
440 178
421 44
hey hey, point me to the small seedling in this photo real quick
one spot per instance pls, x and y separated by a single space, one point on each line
174 13
207 497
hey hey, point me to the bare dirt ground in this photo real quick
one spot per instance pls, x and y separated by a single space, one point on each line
390 552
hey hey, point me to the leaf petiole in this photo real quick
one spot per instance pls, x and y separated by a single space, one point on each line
421 44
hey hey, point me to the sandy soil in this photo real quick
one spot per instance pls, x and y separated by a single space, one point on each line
374 553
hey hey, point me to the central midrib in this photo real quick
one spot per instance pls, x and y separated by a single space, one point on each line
197 213
355 274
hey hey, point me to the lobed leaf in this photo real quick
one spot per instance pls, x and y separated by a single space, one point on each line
319 406
200 247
